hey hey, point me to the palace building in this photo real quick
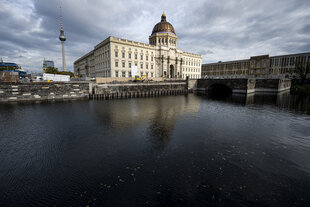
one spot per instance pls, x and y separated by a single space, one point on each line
257 67
114 57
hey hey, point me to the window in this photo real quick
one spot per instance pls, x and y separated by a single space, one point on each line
147 74
129 55
116 73
142 57
152 66
136 56
116 54
141 65
123 64
141 74
147 66
129 74
123 74
116 63
123 54
129 65
147 57
151 58
151 74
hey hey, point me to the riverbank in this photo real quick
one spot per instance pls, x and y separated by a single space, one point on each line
301 89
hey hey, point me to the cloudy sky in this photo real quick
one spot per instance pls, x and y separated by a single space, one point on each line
216 29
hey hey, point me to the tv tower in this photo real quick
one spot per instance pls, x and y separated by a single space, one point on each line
62 38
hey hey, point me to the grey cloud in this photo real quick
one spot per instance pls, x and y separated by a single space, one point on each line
218 30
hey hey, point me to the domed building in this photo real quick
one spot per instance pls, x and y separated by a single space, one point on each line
117 57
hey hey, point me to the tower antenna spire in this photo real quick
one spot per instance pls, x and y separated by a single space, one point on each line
61 26
62 38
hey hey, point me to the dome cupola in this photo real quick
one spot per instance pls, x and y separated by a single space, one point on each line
163 26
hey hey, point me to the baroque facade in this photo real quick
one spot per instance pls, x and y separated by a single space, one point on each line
114 57
257 66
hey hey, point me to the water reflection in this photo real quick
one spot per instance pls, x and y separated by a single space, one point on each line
284 100
157 115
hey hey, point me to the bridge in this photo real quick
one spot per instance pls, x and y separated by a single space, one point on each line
242 85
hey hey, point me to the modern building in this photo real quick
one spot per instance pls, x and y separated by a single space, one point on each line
257 66
8 66
115 57
47 63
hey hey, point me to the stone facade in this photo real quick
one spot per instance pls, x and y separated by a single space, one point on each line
256 67
140 87
43 91
246 85
114 57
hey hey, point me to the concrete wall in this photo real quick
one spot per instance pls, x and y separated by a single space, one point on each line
43 91
272 85
192 84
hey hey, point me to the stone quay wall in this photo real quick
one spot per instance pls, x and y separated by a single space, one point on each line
246 86
134 90
40 91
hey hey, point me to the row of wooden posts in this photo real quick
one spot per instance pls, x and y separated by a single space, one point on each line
137 94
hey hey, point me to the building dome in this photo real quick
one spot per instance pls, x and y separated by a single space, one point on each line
163 26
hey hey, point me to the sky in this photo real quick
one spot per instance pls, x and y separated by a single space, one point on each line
219 30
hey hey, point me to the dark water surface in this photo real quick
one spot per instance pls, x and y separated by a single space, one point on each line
167 151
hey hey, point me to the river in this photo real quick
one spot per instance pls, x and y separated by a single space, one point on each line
160 151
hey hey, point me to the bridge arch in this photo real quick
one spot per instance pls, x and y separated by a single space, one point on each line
219 90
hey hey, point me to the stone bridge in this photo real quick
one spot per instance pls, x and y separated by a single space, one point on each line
243 85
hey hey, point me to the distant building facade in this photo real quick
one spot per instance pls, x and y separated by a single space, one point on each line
9 66
257 66
114 57
48 63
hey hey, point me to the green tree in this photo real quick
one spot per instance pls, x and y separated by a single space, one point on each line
302 70
66 73
51 70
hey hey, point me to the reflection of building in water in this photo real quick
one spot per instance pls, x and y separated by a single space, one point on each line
159 114
283 100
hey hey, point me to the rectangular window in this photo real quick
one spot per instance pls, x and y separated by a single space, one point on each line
123 55
151 74
129 65
116 73
147 66
152 66
136 56
147 74
147 57
129 74
123 74
141 74
116 54
141 65
123 64
116 63
141 57
151 58
129 55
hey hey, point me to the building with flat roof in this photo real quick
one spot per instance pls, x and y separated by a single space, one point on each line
48 63
115 57
262 66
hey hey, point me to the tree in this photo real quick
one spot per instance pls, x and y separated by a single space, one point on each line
51 70
302 70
